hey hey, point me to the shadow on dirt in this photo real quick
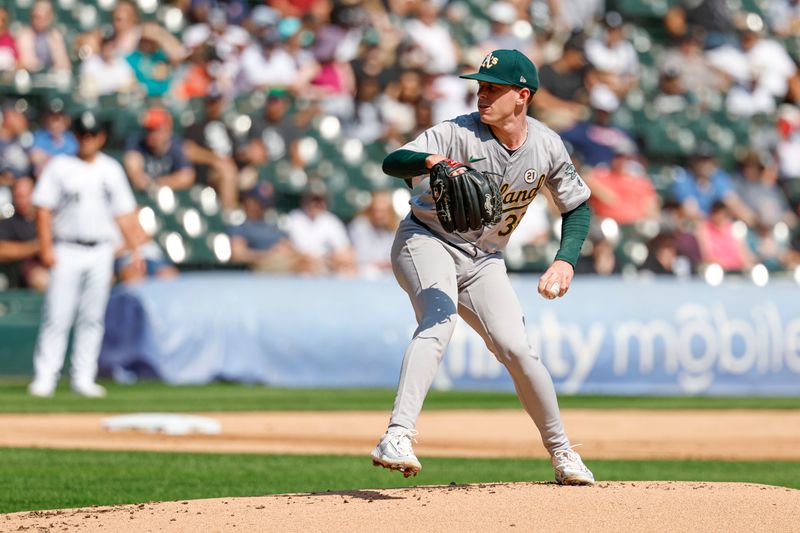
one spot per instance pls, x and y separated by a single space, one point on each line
368 495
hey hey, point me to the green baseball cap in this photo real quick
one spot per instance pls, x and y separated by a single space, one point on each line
507 67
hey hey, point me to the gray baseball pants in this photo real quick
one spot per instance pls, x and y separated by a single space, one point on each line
443 281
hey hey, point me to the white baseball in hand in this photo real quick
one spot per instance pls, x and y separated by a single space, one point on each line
553 290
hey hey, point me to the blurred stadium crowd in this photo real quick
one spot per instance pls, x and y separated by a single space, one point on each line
253 133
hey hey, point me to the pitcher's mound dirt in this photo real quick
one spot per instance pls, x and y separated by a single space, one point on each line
608 507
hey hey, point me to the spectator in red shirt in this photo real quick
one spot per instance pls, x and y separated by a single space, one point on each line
297 8
621 193
718 243
8 46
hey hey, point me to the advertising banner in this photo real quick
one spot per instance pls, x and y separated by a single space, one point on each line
607 336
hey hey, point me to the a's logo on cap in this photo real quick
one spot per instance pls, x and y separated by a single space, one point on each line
489 61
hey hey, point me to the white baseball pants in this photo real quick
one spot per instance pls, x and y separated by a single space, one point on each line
80 282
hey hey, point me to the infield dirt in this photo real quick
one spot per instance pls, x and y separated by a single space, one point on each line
608 434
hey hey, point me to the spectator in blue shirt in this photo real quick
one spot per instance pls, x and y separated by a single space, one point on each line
157 157
596 140
260 244
703 184
54 138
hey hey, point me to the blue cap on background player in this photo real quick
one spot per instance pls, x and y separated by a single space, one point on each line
507 67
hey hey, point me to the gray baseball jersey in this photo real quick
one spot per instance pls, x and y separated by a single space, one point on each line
468 276
542 161
85 197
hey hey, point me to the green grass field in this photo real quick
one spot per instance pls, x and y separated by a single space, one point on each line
45 479
155 396
48 479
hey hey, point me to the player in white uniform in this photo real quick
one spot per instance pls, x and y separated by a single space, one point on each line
79 199
446 274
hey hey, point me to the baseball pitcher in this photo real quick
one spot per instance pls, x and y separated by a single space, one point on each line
476 175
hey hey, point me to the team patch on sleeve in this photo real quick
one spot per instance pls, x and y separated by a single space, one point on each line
571 175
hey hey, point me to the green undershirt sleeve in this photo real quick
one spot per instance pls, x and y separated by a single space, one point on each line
405 164
574 229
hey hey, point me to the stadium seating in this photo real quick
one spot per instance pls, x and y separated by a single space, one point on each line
351 169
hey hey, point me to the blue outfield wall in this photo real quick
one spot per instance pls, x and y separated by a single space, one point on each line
608 336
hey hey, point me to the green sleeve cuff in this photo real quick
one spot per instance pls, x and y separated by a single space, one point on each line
405 164
574 229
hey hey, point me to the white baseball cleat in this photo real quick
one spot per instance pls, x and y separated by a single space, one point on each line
41 389
570 469
395 453
89 389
